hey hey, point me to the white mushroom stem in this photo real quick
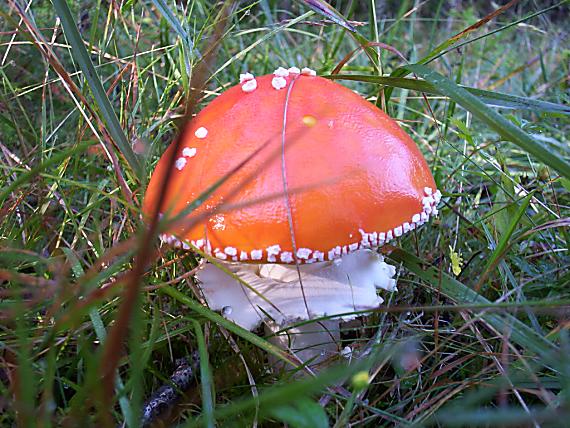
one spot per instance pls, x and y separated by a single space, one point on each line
275 294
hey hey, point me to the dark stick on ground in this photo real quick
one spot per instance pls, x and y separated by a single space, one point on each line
163 400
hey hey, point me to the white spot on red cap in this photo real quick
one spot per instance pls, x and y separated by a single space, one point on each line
278 82
286 257
245 77
230 251
304 253
294 70
256 254
437 196
281 72
249 85
319 256
273 251
201 132
374 239
189 152
180 163
219 254
308 71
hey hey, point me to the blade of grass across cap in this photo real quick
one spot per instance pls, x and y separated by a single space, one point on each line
113 347
492 119
520 333
79 52
492 99
329 12
187 220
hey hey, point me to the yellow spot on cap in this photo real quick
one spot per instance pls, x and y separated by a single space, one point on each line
309 120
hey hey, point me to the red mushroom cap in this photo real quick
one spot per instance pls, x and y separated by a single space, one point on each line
354 179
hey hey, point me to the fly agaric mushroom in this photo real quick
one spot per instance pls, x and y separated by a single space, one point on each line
329 178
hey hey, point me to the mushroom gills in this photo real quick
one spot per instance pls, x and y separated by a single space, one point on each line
275 294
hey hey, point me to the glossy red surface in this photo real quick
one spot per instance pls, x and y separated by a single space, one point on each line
348 166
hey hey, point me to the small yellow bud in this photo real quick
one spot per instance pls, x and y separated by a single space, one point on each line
360 380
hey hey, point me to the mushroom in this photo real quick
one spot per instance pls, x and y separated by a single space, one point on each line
329 178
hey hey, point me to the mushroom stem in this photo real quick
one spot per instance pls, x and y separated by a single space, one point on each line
312 344
285 294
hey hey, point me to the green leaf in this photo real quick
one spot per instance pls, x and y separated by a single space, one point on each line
79 52
303 413
491 118
492 99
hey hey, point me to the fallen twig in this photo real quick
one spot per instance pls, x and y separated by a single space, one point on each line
166 397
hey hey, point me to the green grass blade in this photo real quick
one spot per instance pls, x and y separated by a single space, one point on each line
504 241
292 391
25 391
55 159
206 382
491 118
182 33
177 26
101 333
230 326
79 52
493 99
452 43
329 12
520 333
